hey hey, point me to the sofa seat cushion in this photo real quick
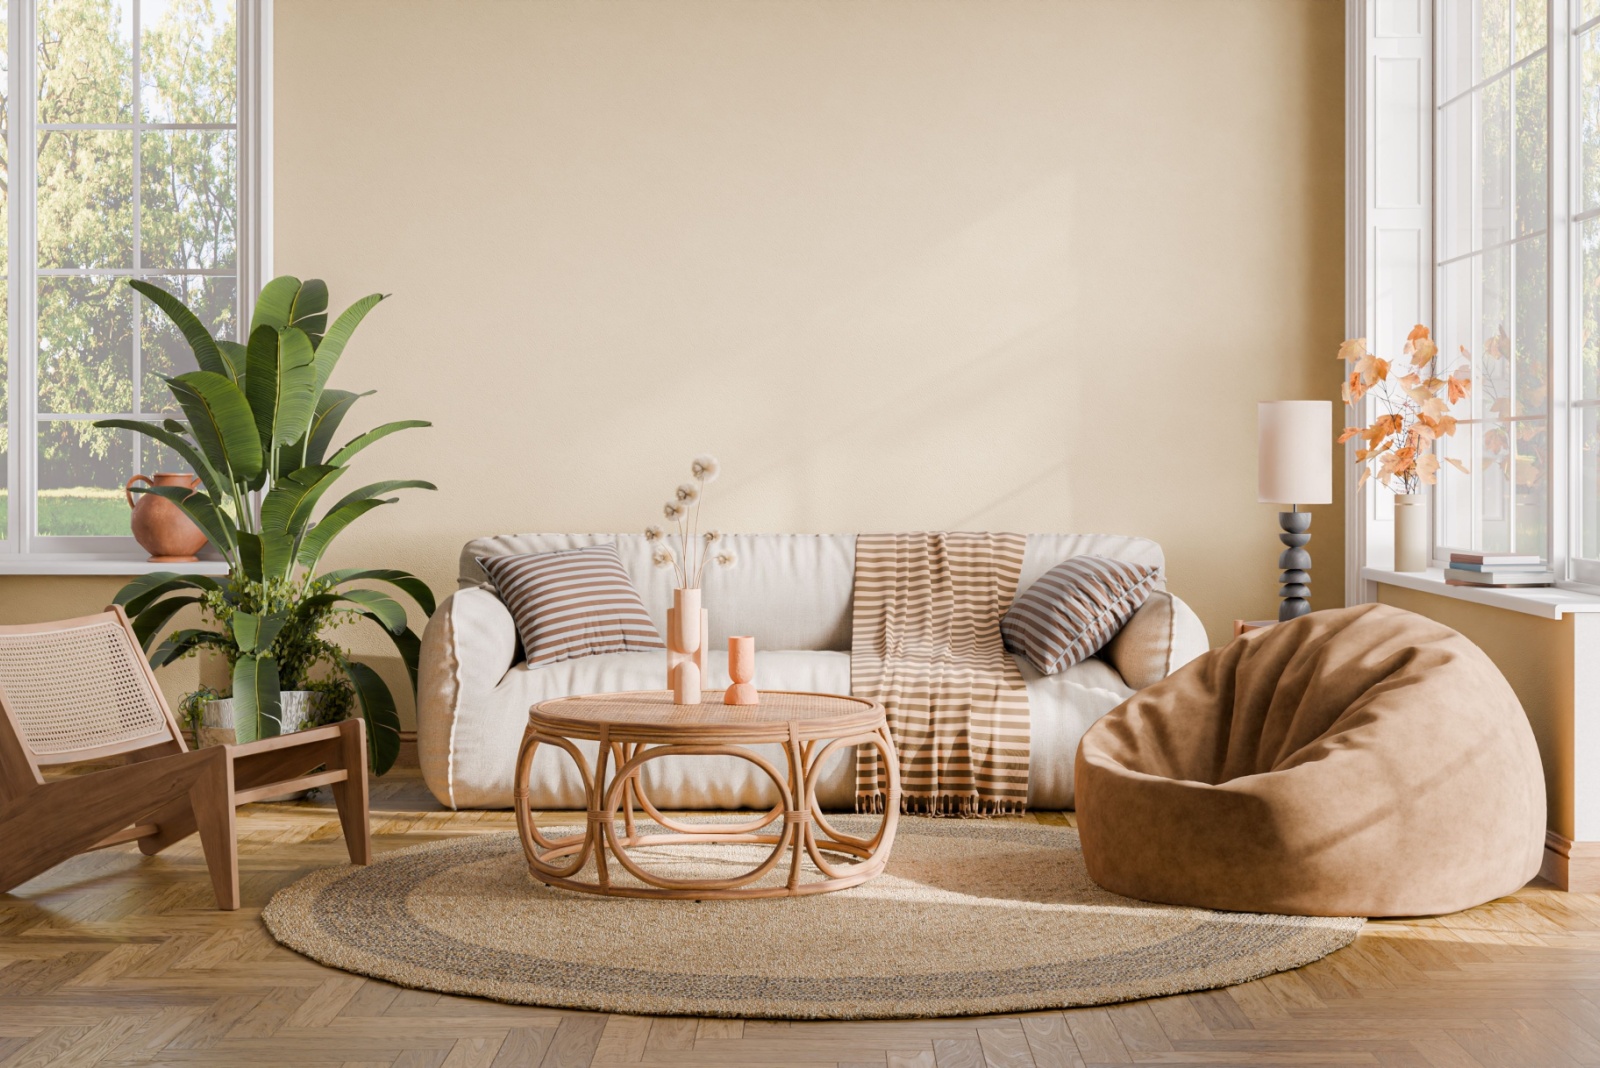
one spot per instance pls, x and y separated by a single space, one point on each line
487 733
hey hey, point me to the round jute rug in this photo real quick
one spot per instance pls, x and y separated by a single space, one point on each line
971 917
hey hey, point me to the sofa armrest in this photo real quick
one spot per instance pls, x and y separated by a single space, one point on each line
1163 635
467 648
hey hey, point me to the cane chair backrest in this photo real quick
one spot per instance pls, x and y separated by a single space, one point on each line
79 689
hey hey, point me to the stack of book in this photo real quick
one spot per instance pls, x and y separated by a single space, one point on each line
1497 569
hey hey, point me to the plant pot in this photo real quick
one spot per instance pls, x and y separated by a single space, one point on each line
159 525
296 706
216 717
1412 545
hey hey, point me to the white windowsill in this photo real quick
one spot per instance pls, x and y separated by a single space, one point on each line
1550 602
99 564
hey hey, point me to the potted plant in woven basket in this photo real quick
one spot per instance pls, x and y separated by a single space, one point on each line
258 429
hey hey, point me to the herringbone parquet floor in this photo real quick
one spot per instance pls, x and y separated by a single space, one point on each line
113 959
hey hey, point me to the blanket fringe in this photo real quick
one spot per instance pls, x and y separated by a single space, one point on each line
957 806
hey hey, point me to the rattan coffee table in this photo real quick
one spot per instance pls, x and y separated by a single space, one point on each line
633 729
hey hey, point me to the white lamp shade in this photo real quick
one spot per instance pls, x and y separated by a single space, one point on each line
1294 453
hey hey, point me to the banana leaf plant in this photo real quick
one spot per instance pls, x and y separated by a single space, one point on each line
258 429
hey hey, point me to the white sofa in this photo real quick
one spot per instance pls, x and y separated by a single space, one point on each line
793 592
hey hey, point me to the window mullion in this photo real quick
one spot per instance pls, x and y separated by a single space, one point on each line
1562 307
24 263
137 262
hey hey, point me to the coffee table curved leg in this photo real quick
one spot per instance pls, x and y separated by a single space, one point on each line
539 863
873 852
610 800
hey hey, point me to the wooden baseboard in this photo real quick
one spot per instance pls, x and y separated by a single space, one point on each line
408 751
1573 866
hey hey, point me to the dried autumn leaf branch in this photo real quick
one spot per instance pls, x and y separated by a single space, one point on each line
1398 445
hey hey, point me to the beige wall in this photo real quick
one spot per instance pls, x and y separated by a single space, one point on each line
900 264
1536 657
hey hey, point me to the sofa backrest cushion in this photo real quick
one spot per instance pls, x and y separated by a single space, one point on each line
792 591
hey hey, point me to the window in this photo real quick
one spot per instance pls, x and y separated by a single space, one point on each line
1516 282
1585 390
122 159
1492 271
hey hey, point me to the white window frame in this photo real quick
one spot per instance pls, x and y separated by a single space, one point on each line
22 550
1584 573
1380 293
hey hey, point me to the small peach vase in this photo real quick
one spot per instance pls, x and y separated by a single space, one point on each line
742 670
687 628
159 525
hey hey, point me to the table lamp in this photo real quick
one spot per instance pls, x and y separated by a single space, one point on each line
1294 460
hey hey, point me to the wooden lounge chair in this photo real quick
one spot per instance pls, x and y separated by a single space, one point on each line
80 690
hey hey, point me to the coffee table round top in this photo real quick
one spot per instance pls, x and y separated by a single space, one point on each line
650 716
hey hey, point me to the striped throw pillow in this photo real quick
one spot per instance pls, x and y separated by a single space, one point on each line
1075 608
574 603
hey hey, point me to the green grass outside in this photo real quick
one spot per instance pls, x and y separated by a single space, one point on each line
78 511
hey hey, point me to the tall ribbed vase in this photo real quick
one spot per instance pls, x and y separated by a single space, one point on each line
688 628
1411 532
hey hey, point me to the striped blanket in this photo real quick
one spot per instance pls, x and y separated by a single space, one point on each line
927 646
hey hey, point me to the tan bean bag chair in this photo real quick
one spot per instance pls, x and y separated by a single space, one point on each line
1359 762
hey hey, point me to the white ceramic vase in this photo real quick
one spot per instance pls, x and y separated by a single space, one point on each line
687 631
1411 541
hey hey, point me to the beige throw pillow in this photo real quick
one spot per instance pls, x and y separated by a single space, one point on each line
1074 609
1144 650
571 604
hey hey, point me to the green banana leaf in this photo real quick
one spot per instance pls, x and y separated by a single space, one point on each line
332 407
279 384
137 595
256 633
338 336
221 421
377 708
309 313
266 555
275 304
409 646
330 526
180 642
238 358
216 523
250 564
257 701
217 486
206 353
356 444
404 580
379 607
153 618
378 489
288 505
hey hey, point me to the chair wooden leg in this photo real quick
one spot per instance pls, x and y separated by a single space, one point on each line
176 822
212 798
351 795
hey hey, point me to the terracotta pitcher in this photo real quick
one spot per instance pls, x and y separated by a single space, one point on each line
159 525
